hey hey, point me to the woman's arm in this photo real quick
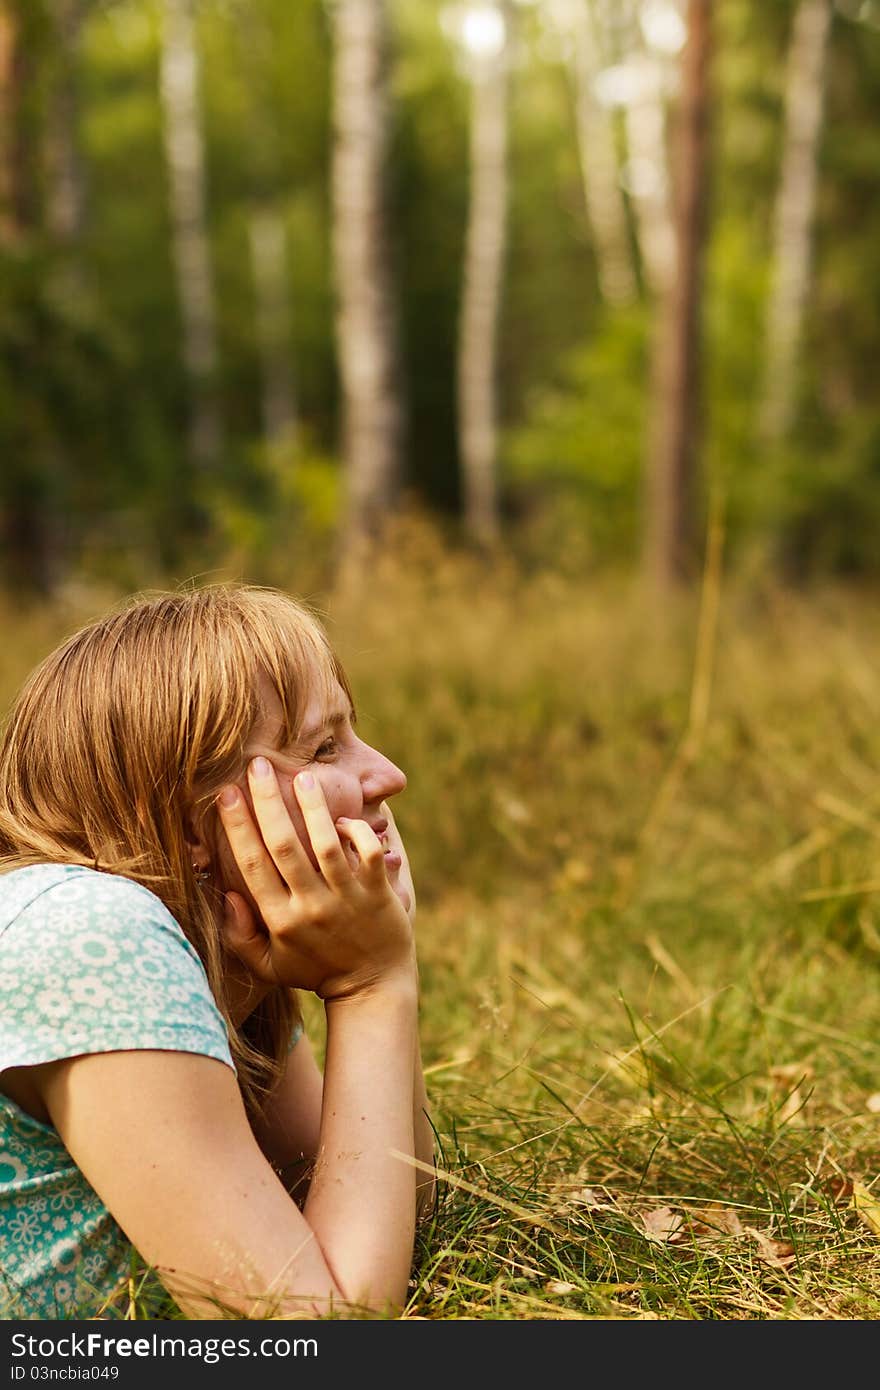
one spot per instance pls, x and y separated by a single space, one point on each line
424 1134
288 1132
164 1140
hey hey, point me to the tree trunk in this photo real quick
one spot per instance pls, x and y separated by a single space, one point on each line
648 166
366 311
272 294
184 152
792 253
599 166
481 296
674 447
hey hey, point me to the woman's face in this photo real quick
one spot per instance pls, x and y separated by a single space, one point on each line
355 777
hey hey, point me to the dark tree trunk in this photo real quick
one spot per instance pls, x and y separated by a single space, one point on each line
674 448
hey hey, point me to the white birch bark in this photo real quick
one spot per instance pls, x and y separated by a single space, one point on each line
795 205
599 164
268 248
366 309
485 244
184 151
648 182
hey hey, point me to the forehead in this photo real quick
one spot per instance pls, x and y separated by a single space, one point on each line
320 700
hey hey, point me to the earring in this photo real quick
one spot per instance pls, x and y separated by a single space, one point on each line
201 873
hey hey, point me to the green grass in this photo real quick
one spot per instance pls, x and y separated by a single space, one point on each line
649 940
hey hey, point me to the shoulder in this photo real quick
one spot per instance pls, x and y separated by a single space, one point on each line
67 900
90 962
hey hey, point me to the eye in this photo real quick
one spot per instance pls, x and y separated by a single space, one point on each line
326 750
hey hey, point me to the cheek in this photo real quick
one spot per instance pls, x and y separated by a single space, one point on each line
342 794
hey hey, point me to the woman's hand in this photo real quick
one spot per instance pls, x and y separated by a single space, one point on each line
337 930
402 882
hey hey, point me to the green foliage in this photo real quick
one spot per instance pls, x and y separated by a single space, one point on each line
94 398
574 465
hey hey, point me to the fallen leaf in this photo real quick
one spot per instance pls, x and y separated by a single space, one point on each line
593 1198
716 1220
559 1286
867 1206
663 1225
839 1188
873 1103
778 1253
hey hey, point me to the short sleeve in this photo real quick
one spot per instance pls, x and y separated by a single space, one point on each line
96 963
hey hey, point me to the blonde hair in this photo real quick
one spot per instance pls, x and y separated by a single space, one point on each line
129 729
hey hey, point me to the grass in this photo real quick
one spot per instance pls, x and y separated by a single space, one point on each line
645 847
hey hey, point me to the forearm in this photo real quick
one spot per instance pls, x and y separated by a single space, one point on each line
423 1138
367 1116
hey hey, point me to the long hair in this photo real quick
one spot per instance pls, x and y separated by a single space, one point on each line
125 734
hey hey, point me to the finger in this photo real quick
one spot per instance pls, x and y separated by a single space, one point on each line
279 833
323 836
243 938
403 882
368 846
249 851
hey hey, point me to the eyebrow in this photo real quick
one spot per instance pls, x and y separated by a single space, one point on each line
332 721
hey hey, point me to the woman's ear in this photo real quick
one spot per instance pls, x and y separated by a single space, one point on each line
198 847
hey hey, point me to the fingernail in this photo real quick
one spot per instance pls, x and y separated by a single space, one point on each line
305 780
261 767
228 796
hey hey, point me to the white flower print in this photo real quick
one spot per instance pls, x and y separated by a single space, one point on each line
98 963
12 1170
89 989
65 1256
24 1226
52 1004
95 950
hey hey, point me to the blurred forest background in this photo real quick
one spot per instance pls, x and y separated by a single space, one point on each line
560 276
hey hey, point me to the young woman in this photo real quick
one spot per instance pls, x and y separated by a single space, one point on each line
190 830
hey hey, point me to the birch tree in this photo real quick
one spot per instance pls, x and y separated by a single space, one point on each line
184 150
366 303
484 37
603 196
675 419
795 206
644 103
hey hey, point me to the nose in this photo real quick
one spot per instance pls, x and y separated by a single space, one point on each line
380 777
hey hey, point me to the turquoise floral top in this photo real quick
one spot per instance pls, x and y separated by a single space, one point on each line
89 962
